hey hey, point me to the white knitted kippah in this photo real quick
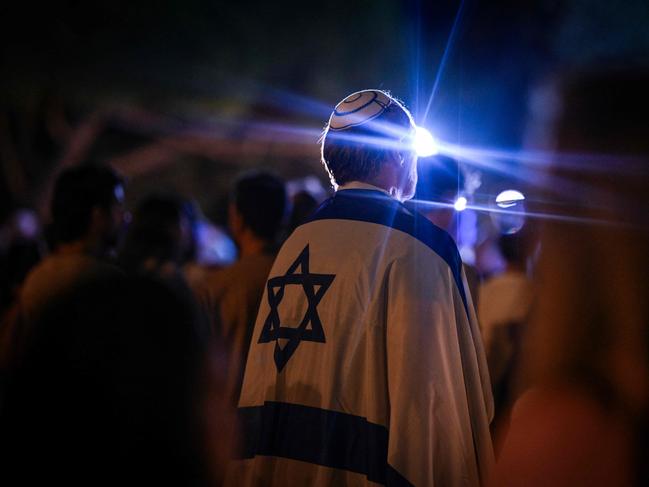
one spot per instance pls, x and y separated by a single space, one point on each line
358 109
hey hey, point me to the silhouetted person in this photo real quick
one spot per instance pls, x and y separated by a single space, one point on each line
158 243
257 212
87 215
440 182
303 206
159 239
87 212
584 420
116 387
503 310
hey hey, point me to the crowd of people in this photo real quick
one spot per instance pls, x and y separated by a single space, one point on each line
348 344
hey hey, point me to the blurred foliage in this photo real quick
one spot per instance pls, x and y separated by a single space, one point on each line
175 65
203 48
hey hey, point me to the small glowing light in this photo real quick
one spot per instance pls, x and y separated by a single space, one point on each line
509 198
119 193
460 204
424 143
509 216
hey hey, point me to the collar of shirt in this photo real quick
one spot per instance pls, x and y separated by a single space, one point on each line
361 185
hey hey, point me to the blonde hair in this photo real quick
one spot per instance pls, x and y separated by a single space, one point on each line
349 155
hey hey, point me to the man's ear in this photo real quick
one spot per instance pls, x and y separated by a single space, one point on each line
394 157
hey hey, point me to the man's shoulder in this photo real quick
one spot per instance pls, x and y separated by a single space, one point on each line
247 271
375 207
360 205
404 233
61 266
370 206
58 273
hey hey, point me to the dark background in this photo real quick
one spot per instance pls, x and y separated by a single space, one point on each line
186 94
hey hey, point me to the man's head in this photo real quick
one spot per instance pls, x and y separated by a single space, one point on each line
440 182
258 207
515 249
88 205
160 232
368 139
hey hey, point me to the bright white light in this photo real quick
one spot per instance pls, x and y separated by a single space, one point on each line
424 143
460 204
512 220
509 198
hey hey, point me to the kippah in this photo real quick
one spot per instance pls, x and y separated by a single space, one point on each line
358 109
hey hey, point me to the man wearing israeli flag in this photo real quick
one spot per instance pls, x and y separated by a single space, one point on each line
366 366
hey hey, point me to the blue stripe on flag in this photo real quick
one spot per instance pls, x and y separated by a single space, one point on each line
376 207
319 436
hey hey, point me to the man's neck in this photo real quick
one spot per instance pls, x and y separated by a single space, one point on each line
250 245
363 185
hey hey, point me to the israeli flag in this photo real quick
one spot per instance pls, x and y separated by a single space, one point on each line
366 365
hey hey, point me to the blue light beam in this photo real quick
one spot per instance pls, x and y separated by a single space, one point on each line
442 63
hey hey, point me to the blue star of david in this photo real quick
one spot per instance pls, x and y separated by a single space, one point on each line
314 286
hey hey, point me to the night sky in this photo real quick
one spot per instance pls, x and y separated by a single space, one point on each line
153 70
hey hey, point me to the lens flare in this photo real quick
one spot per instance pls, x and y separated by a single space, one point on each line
511 218
509 198
424 143
460 204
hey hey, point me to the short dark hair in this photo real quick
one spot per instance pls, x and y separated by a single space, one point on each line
439 178
260 197
76 192
155 231
511 247
347 159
